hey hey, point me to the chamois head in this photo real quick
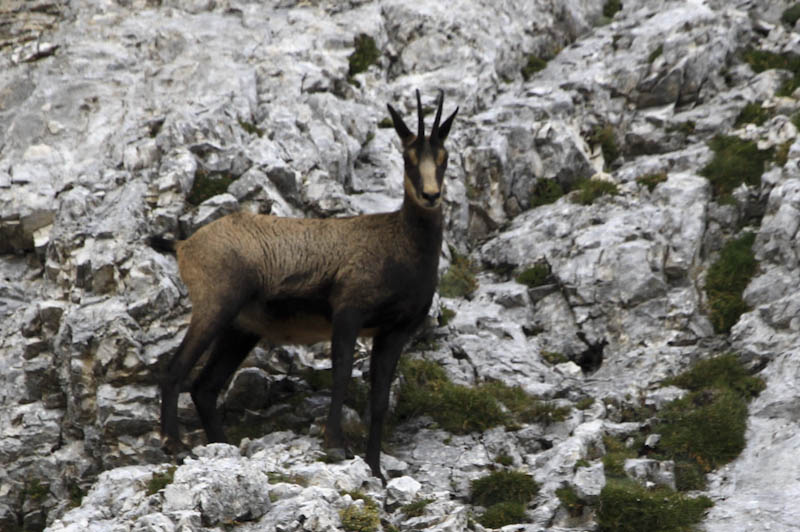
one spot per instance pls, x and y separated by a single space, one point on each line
424 158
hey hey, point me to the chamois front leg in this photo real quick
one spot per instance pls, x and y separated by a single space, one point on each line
346 325
386 349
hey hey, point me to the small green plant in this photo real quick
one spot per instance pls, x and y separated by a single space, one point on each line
753 113
584 403
685 128
553 357
724 371
570 501
36 490
655 54
726 280
761 60
76 493
159 481
364 55
207 184
533 65
782 153
591 189
536 275
626 506
611 7
502 514
605 137
616 454
361 518
385 123
505 495
445 315
791 14
503 459
735 161
416 508
459 279
651 181
251 128
545 191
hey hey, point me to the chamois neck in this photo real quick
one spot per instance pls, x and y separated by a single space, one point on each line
425 224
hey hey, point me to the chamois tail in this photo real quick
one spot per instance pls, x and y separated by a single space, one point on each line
164 245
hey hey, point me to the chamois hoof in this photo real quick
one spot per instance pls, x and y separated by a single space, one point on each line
177 449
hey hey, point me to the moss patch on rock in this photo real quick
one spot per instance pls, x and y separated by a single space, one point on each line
727 278
735 162
505 495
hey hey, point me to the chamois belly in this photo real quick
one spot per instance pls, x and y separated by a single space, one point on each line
291 321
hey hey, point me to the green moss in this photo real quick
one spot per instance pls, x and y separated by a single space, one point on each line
251 128
364 55
611 7
591 189
735 161
726 280
533 65
782 153
159 481
503 459
545 191
502 514
753 113
655 54
585 403
459 279
552 357
503 486
36 490
361 518
426 390
76 493
626 506
723 372
207 185
652 180
445 315
416 508
791 14
573 504
385 123
536 275
616 454
605 137
761 60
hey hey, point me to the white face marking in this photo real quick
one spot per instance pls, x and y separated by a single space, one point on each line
427 171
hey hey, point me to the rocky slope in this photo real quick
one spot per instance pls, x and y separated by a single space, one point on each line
112 112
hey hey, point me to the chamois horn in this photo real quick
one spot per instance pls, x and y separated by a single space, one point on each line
421 128
435 130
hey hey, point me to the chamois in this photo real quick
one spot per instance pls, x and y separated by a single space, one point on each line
302 281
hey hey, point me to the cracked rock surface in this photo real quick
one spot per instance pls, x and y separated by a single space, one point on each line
112 111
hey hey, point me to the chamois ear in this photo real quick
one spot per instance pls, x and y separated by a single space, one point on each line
444 129
406 136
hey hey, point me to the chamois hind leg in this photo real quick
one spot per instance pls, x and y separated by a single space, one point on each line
206 324
230 350
346 326
386 349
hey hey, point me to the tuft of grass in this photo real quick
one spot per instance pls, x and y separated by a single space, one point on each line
503 459
364 55
361 518
651 181
159 481
207 185
573 504
791 14
545 191
426 390
616 454
655 54
611 7
36 490
626 506
591 189
726 280
502 514
251 128
585 403
761 60
753 113
416 508
385 123
533 64
445 315
503 486
553 357
735 161
459 279
605 137
536 275
706 428
782 153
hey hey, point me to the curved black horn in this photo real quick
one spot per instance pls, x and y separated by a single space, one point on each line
435 130
421 129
